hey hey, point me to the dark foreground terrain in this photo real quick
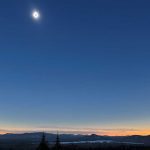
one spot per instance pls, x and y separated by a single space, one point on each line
30 141
87 146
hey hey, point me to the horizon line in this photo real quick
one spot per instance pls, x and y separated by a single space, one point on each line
98 132
32 132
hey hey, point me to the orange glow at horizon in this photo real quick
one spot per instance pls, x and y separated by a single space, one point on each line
125 133
2 132
108 132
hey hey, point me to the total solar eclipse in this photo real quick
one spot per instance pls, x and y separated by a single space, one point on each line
36 15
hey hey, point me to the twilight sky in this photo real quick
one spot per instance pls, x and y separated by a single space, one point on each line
83 67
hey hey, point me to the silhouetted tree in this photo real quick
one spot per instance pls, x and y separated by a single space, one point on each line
43 144
57 144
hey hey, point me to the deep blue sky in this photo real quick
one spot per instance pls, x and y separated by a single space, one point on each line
85 63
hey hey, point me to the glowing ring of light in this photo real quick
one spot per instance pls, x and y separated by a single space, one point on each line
36 15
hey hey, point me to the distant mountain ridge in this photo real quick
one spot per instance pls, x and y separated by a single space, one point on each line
76 138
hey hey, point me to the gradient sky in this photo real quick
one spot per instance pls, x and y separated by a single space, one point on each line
84 67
